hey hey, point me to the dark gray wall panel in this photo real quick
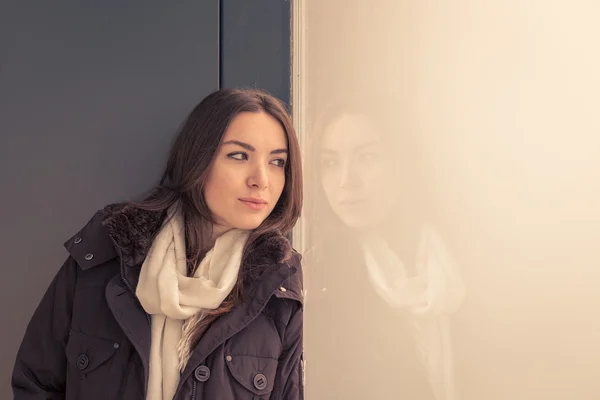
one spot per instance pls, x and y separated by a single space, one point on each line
255 45
91 94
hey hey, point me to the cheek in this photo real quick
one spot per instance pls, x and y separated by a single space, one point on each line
215 191
277 182
211 195
329 183
382 186
373 178
378 177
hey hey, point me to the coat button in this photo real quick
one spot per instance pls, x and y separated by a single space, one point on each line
77 240
229 358
202 373
260 381
115 345
82 362
89 256
283 289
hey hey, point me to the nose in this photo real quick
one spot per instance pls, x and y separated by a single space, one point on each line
348 176
258 179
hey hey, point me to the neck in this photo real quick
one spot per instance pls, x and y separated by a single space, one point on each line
218 230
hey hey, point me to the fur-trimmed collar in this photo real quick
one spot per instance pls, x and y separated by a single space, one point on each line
133 230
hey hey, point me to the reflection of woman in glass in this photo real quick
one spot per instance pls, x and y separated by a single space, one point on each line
379 282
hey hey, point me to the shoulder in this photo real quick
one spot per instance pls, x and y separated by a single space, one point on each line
91 245
273 254
274 268
286 303
118 230
329 261
293 286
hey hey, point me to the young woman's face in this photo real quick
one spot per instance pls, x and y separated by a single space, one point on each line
356 171
247 176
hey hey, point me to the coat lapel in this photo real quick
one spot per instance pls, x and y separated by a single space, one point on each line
131 318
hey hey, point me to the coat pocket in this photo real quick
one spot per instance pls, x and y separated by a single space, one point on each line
89 360
254 377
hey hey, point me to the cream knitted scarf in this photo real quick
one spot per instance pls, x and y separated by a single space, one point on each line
171 297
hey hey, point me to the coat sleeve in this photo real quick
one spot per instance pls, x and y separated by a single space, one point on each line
289 382
40 367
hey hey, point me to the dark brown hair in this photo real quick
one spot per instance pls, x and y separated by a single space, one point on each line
189 162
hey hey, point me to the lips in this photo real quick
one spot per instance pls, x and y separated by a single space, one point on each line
254 200
351 202
254 203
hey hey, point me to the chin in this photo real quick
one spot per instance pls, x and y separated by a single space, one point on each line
355 221
352 224
248 223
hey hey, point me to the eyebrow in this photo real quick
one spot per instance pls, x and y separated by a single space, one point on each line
358 148
249 147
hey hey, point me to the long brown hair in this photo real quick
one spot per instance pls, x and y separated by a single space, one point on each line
189 162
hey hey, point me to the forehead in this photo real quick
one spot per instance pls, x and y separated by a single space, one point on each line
349 131
258 129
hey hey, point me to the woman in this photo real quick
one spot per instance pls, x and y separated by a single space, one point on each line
194 292
380 282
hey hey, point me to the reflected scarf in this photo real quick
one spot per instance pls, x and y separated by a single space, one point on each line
429 297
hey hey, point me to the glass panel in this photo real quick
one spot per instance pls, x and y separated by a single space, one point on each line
452 220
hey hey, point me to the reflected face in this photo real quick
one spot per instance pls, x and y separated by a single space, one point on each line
247 176
356 171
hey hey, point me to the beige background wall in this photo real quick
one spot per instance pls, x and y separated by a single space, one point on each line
503 99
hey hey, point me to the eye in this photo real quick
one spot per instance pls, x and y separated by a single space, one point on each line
328 163
368 157
238 155
280 162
